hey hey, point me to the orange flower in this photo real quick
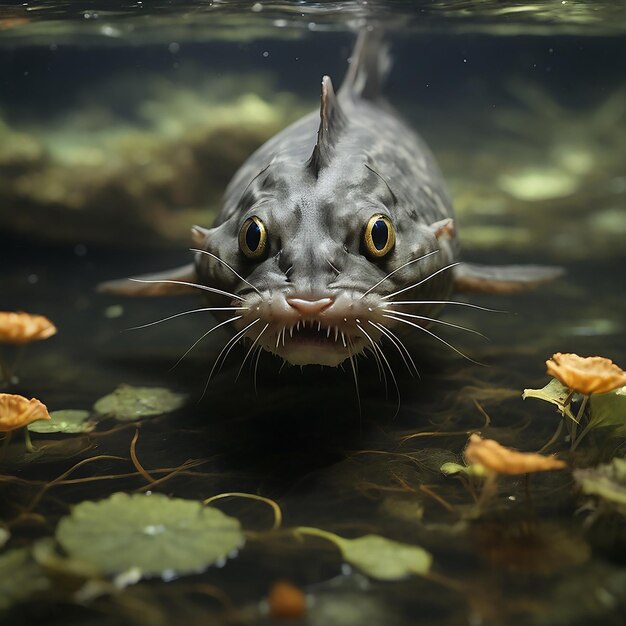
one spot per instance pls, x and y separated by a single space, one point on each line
23 328
587 375
17 411
491 455
286 601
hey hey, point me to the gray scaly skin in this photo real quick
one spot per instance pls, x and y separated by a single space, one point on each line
316 296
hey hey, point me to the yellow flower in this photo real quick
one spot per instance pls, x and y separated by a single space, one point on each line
495 457
20 328
17 411
586 375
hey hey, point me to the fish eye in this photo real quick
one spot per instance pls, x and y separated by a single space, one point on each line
253 238
379 236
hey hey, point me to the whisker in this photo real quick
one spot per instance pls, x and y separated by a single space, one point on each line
443 269
379 364
382 280
382 355
354 374
186 284
171 317
239 276
436 321
256 367
395 340
466 304
234 319
245 358
333 267
231 342
400 319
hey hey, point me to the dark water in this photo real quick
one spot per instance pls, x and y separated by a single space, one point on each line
121 124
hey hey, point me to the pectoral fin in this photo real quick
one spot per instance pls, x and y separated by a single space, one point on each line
503 279
170 283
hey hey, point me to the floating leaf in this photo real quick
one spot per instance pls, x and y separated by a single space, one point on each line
67 421
153 533
555 393
129 403
378 557
607 482
20 577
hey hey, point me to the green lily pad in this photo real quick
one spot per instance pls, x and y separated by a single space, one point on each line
153 534
66 421
554 392
607 482
385 559
376 556
129 403
20 577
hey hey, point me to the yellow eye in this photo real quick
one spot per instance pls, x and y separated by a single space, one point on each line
379 236
253 238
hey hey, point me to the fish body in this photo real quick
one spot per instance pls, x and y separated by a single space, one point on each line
336 234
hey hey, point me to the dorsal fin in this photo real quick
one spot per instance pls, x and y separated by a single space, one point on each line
331 121
370 63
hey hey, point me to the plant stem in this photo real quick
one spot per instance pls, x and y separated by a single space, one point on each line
554 438
581 410
28 441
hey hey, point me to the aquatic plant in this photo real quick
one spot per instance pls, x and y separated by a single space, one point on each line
376 556
582 378
19 329
17 412
487 459
586 375
151 534
606 483
69 421
495 458
129 403
20 577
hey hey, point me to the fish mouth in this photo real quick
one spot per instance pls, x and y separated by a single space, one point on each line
341 327
311 342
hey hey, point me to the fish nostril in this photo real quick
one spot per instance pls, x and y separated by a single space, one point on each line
310 307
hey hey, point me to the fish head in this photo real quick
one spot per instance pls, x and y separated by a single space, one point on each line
315 262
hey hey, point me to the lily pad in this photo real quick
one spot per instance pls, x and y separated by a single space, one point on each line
20 577
67 421
129 403
378 557
607 482
153 534
554 392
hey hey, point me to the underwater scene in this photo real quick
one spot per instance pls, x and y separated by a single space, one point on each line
380 387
